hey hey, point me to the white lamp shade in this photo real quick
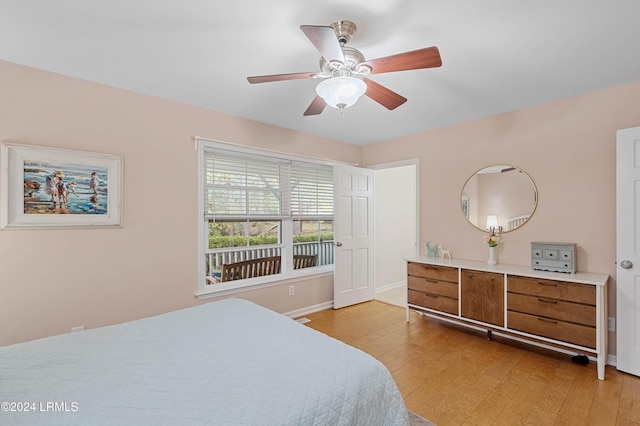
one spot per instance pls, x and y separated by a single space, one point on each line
341 92
492 221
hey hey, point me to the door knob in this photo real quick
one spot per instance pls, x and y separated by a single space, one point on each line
338 244
626 264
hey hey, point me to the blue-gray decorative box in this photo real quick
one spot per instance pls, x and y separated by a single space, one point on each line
553 257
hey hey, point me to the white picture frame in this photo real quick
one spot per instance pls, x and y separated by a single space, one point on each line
42 187
464 203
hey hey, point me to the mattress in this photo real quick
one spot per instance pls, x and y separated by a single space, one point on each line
229 362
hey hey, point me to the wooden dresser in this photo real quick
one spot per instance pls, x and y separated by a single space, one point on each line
565 312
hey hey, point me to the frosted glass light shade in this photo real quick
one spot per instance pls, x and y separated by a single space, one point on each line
341 92
492 221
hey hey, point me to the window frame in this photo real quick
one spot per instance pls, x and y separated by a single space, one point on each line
288 274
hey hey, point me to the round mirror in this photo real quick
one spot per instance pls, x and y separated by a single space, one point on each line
503 197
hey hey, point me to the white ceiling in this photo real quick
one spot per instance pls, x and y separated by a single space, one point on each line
498 55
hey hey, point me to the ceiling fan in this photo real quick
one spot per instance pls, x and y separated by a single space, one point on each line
344 70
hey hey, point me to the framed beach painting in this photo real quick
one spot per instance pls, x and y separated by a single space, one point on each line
44 187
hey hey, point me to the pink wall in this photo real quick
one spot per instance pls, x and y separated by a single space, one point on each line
567 147
52 280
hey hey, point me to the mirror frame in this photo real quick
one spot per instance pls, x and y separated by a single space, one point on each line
463 196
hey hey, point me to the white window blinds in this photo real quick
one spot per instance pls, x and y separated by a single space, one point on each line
243 185
311 191
240 185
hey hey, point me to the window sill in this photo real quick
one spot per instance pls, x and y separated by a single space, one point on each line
241 286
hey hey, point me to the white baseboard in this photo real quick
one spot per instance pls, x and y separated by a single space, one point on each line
309 310
612 360
387 287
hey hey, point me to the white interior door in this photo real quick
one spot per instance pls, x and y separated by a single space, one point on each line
353 229
628 250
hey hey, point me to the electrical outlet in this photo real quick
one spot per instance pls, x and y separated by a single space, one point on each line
292 290
76 329
611 324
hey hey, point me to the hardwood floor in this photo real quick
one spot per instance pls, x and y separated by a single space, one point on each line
453 376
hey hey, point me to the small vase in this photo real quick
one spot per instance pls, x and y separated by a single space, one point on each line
492 256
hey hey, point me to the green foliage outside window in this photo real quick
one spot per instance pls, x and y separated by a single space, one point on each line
309 238
222 241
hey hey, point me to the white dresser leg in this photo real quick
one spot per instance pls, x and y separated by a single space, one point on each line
601 363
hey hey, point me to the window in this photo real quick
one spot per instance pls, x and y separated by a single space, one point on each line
312 214
263 217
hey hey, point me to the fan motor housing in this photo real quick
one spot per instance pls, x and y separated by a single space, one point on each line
344 30
352 57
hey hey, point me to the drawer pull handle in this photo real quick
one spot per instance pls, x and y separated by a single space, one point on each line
540 299
548 284
435 296
431 280
548 320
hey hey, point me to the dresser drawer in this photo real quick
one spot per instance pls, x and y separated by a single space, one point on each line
581 293
442 273
550 265
553 329
552 308
433 301
433 286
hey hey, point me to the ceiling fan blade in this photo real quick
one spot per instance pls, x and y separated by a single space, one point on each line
429 57
280 77
385 97
316 107
325 40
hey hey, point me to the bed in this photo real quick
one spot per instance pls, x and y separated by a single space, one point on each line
229 362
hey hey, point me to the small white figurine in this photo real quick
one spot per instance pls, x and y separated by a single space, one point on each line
444 252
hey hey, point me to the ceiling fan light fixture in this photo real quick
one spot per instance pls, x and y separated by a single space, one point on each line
341 92
344 69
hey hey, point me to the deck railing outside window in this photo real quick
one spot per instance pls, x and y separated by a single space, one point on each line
214 260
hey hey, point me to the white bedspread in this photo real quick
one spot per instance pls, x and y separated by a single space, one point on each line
230 362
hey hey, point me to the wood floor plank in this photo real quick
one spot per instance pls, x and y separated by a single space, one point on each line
629 410
576 406
522 403
454 376
606 401
630 387
554 395
538 417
